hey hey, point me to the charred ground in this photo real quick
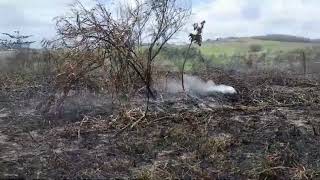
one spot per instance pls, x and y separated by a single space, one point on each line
269 130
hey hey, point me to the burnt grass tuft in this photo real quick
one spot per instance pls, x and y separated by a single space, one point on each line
270 130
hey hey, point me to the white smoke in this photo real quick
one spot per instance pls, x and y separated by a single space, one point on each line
195 85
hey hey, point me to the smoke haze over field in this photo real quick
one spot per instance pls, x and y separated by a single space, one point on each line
197 86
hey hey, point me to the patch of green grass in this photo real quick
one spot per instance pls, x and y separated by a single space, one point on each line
234 53
241 46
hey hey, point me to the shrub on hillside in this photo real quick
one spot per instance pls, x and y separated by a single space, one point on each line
255 48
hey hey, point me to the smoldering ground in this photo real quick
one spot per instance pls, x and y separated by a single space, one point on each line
196 86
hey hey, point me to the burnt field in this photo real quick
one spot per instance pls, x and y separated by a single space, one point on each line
270 129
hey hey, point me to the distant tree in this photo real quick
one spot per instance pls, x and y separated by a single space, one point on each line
15 41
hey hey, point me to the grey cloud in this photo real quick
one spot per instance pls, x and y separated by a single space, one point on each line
251 11
31 17
224 17
254 17
12 17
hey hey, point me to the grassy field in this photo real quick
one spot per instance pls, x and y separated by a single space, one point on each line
237 53
242 46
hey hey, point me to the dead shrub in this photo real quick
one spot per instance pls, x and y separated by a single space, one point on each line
120 50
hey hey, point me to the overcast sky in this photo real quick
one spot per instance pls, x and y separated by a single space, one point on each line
224 17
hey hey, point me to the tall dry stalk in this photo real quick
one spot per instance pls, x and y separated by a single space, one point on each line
194 38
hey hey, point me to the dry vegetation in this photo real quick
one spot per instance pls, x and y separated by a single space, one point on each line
87 118
270 130
119 49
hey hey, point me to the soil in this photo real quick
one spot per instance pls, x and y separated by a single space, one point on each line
269 130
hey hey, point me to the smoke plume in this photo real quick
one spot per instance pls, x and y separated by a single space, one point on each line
197 86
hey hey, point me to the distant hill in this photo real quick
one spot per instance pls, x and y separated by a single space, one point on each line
270 37
227 39
283 38
316 40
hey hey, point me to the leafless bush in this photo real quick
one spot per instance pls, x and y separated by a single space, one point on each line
119 49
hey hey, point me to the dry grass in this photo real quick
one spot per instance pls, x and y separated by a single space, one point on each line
270 130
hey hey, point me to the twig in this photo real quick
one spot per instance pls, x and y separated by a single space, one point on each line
33 138
162 118
129 125
79 130
275 168
139 120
